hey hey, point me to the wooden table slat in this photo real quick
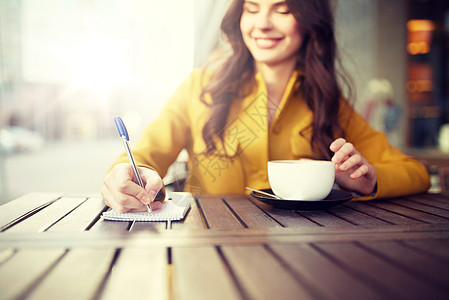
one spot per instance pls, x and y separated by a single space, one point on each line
81 217
323 274
192 220
287 218
148 226
436 248
325 219
217 215
138 274
431 201
408 212
355 217
48 215
262 275
21 272
432 198
22 206
425 267
387 216
103 225
77 276
199 273
250 214
442 213
391 281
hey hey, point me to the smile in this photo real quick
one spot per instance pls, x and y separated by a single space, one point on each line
267 43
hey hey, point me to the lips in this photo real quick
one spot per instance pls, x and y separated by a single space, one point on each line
267 43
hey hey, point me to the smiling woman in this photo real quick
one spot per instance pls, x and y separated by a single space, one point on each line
270 32
278 96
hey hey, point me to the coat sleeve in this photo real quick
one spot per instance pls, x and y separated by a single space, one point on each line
397 174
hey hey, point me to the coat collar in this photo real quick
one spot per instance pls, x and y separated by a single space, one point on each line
293 84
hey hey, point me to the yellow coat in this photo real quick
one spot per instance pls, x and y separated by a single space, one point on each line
181 122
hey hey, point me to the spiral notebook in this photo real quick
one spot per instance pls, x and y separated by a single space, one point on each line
174 208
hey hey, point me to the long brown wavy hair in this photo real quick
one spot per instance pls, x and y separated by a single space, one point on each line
317 58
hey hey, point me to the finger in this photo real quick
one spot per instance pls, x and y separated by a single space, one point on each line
106 195
131 188
113 202
153 183
120 192
156 205
361 171
346 150
336 145
351 162
118 198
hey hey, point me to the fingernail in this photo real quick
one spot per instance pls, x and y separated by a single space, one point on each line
153 194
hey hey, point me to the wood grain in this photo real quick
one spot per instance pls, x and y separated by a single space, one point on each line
324 218
426 268
48 216
192 221
81 217
217 215
287 218
355 217
139 274
77 276
251 215
442 213
392 282
439 249
408 212
20 208
262 276
24 270
323 274
381 214
199 273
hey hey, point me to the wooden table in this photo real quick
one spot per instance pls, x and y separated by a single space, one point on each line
55 246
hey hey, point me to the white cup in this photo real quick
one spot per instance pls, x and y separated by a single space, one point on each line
305 179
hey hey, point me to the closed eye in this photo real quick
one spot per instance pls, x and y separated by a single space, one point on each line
250 7
282 8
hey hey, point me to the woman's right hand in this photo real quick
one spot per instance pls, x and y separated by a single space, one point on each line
122 194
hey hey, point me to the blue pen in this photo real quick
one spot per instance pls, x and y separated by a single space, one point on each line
125 138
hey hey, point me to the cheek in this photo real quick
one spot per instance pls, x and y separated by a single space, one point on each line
295 34
245 29
244 26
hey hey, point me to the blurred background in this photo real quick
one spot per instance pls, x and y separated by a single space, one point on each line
67 67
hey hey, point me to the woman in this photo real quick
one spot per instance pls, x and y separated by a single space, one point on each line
276 97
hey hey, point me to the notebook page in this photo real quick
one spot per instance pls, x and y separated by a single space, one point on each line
173 208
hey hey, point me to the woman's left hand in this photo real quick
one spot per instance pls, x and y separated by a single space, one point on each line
352 170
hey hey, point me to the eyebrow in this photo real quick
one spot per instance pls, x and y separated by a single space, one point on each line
280 3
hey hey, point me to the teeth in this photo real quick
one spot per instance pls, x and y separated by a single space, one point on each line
266 42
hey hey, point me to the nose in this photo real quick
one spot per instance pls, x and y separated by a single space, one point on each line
263 21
